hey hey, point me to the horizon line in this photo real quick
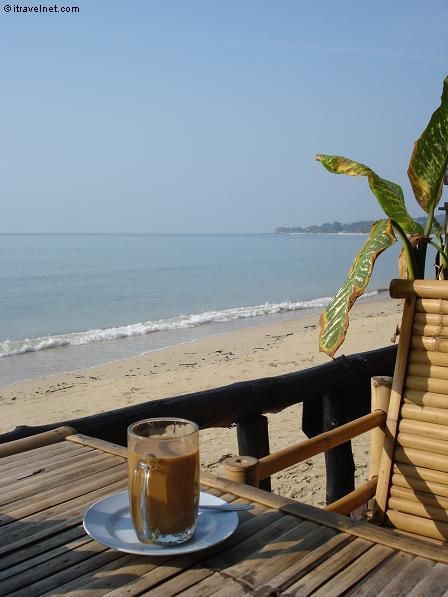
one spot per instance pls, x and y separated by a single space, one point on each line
141 233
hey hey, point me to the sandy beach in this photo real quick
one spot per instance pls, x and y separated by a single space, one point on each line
260 351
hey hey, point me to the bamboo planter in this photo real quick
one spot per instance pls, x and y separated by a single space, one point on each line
412 491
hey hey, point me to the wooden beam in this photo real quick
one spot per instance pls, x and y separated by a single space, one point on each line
36 441
369 532
381 388
432 306
98 444
339 462
361 495
292 455
419 526
393 414
426 289
253 440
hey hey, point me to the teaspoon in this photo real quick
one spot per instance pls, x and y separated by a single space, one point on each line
227 507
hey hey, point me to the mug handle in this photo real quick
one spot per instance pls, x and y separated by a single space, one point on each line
143 468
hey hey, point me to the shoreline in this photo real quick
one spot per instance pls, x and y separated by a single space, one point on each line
200 332
259 351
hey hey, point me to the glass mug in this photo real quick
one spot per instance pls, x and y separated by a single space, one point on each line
163 461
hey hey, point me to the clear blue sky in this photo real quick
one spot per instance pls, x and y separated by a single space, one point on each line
189 115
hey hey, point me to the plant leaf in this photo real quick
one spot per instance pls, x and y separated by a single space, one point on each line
430 156
334 319
436 228
403 265
389 195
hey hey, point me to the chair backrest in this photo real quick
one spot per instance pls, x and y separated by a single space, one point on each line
412 490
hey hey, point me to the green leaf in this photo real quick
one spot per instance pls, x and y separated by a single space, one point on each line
389 194
334 319
430 156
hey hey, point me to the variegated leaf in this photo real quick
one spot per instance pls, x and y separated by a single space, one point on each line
334 319
389 195
403 265
415 242
430 156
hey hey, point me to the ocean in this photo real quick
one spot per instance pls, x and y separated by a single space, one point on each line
74 301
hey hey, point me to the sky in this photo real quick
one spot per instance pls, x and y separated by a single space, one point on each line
206 115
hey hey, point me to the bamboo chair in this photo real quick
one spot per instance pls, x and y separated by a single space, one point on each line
409 451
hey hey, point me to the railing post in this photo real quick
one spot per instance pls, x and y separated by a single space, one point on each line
336 407
242 469
381 387
253 440
339 463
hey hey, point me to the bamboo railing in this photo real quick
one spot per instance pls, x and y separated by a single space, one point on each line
251 471
333 394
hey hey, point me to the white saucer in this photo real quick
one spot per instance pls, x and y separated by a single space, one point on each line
108 521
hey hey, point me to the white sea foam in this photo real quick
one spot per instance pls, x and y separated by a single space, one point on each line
17 347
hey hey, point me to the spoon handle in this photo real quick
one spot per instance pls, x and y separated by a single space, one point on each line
227 507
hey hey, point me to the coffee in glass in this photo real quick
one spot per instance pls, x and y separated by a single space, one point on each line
163 459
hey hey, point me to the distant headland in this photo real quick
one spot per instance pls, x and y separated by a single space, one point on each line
361 227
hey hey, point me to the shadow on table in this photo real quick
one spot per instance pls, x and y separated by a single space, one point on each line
42 555
58 556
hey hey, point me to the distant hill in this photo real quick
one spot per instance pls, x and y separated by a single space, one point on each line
361 227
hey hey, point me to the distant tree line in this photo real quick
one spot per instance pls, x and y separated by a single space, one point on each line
361 227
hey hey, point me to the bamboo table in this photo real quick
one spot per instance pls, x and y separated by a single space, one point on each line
280 547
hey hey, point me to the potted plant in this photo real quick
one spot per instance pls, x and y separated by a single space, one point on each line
426 172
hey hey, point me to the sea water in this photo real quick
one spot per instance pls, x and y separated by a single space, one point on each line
73 301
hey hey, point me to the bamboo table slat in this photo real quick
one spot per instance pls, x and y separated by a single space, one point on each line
280 547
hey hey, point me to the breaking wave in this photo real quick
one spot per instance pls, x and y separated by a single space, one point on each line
17 347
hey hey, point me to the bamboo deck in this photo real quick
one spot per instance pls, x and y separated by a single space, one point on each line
280 547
